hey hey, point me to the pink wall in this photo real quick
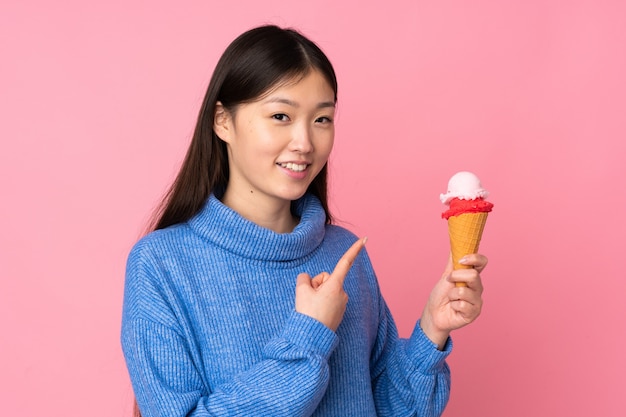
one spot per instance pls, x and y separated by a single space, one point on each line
97 103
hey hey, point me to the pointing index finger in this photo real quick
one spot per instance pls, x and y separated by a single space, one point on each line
345 263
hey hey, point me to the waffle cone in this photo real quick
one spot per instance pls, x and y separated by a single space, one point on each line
465 232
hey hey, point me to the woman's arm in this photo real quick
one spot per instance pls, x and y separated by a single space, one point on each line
411 377
290 380
168 372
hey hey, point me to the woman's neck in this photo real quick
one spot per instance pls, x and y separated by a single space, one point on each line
269 213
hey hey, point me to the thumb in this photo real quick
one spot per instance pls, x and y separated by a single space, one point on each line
303 279
320 279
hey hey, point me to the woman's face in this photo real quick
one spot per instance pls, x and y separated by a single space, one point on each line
279 143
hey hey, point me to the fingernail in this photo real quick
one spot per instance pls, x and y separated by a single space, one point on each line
463 261
365 240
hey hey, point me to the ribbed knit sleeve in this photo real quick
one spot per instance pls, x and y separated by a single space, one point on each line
409 377
289 379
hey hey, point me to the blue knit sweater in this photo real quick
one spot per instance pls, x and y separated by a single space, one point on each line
209 326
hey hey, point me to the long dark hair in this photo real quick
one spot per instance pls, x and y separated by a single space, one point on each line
252 64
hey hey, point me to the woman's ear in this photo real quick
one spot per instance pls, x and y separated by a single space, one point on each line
221 122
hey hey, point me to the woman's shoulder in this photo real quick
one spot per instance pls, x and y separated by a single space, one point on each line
340 239
334 231
162 241
158 254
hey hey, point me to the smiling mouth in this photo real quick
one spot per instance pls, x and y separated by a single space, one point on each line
293 167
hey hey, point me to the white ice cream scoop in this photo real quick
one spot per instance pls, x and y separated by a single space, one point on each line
464 185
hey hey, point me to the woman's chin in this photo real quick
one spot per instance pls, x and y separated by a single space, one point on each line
293 194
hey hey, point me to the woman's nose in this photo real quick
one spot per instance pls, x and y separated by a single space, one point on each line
301 140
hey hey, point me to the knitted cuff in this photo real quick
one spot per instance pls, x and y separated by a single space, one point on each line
431 359
310 334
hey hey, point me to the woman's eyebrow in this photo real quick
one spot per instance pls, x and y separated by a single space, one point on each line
321 105
325 104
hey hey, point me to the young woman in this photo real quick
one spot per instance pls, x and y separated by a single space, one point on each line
221 316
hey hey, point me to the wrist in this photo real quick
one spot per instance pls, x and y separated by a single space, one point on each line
436 335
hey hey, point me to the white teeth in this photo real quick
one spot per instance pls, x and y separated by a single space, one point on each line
293 167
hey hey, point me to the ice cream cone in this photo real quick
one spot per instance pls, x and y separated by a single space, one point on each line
465 232
467 215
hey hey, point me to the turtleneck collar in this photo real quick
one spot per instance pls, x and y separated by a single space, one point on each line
227 229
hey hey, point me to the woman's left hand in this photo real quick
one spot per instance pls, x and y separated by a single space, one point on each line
450 307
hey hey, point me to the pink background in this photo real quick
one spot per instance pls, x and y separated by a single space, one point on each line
98 102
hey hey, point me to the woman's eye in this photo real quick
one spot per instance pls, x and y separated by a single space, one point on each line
281 117
323 119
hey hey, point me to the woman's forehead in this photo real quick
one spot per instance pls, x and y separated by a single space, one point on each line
292 80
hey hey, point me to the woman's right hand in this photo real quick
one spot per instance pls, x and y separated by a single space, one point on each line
323 297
